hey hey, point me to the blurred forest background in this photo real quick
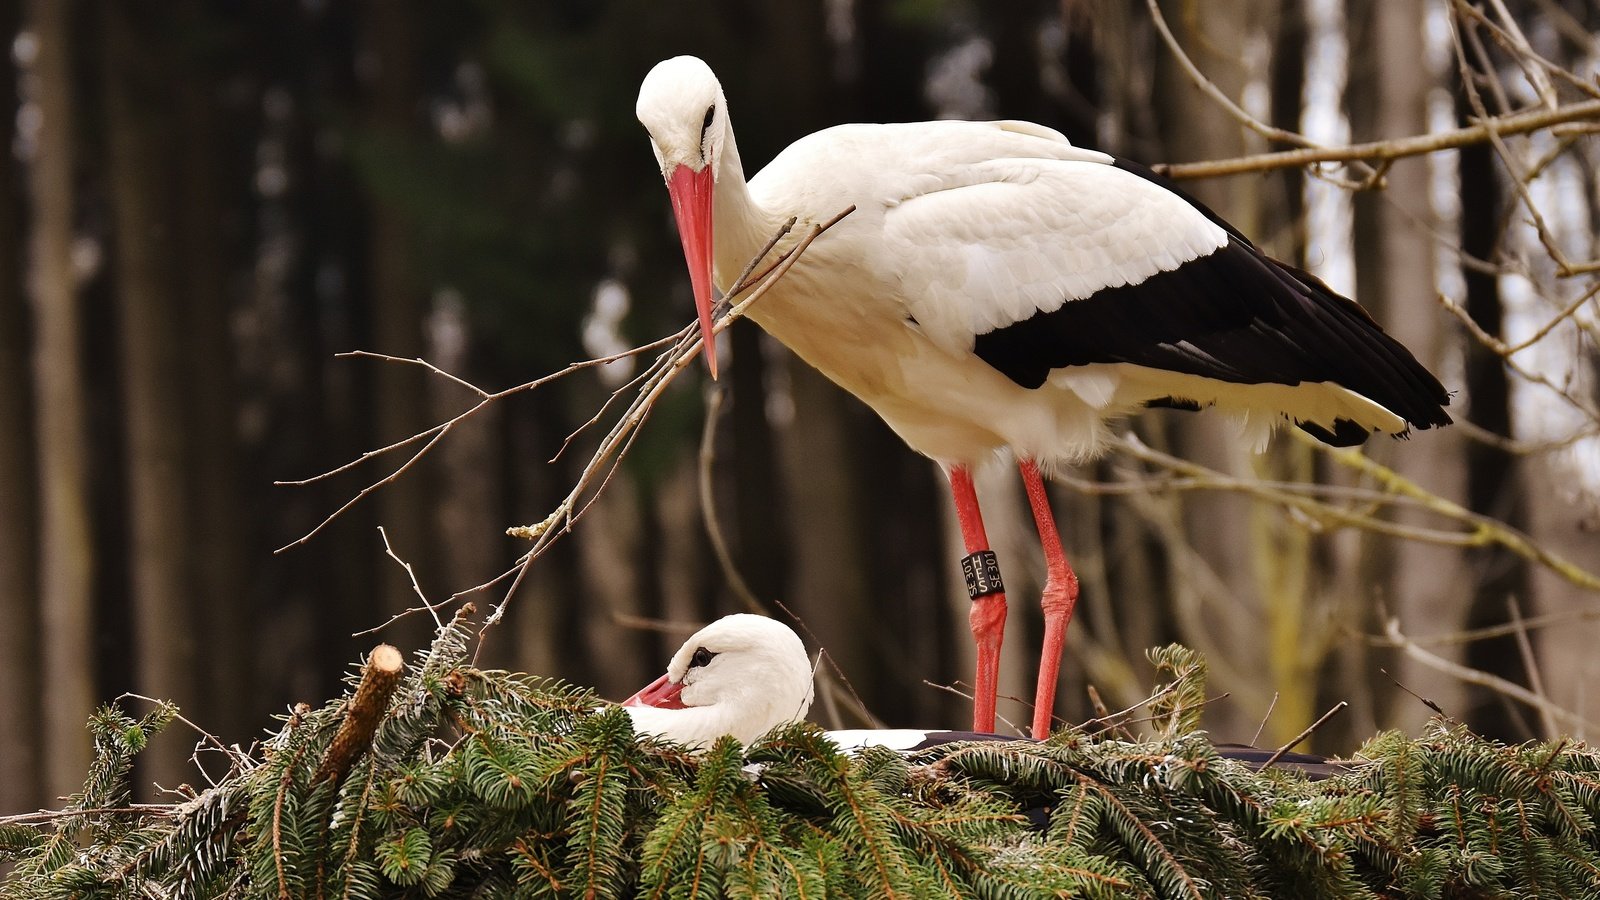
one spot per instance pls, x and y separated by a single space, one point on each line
206 200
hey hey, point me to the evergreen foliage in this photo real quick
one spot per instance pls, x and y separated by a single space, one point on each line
495 785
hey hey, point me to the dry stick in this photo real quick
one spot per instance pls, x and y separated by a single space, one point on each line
1109 720
1564 267
1529 663
365 710
1310 729
1494 344
708 508
277 823
1566 313
162 810
233 755
1395 148
1525 448
1569 26
830 708
966 695
1270 132
1395 638
1263 726
616 443
431 608
659 626
435 433
1471 635
1485 530
1515 41
1103 714
1420 699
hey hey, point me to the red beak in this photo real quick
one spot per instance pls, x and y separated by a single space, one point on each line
661 693
691 205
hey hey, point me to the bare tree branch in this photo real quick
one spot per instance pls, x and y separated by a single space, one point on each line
1395 148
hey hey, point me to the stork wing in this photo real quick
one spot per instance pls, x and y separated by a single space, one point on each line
995 242
1043 264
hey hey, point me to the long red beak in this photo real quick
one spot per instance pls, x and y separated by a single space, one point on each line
691 205
661 693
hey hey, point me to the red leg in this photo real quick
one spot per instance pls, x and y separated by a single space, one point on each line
988 614
1060 596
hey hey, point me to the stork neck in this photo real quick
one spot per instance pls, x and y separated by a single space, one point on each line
742 226
694 726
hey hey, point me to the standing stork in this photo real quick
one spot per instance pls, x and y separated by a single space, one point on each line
997 287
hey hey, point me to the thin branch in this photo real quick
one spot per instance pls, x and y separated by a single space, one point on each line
1310 730
1265 716
434 434
1530 664
1437 709
363 713
1393 148
1505 629
708 507
1270 132
1393 637
431 608
613 447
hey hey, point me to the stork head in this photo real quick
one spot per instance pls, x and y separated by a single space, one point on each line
741 675
681 105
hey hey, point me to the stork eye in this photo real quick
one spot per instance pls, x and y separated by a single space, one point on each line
701 657
705 125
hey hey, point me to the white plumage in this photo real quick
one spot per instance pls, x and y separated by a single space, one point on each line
742 675
997 287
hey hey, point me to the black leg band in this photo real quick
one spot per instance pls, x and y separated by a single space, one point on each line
982 571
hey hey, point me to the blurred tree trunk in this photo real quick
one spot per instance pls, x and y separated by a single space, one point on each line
66 550
20 768
207 236
398 303
1395 280
1221 42
140 121
1494 476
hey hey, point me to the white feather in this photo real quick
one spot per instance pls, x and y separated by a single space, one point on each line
759 678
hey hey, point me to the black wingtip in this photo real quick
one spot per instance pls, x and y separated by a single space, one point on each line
1345 433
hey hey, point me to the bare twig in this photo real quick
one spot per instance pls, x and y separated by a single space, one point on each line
1267 715
431 608
1471 635
967 695
1530 664
1438 710
436 433
708 508
1393 637
1480 530
1394 148
1310 730
1206 86
613 447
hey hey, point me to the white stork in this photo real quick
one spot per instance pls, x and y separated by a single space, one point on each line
997 287
742 675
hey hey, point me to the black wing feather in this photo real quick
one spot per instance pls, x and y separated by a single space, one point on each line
1234 316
